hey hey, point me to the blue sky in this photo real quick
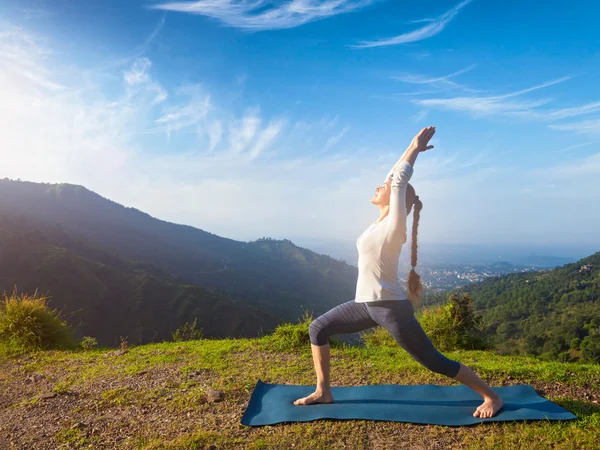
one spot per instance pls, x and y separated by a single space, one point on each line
255 118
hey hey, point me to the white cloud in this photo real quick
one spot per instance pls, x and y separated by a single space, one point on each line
264 15
138 52
177 117
576 111
138 78
434 27
215 134
573 175
440 82
421 79
420 115
571 147
22 55
534 88
484 106
36 12
242 132
334 140
267 136
138 73
479 106
589 127
328 123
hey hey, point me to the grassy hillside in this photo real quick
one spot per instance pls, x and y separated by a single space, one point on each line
552 313
154 396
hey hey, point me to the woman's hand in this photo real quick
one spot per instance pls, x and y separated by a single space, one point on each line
421 140
418 145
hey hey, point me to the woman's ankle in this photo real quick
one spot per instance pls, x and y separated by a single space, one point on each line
324 388
493 397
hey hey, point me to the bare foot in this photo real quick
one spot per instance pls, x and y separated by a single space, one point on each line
489 407
315 397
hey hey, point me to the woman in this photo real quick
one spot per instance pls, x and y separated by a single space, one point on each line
380 299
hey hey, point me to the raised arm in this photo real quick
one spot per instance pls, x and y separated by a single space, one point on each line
401 173
419 143
396 233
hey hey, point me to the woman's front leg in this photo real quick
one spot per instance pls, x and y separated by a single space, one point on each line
349 317
321 358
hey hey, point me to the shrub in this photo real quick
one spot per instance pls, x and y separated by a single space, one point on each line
454 325
27 323
590 347
88 343
288 336
575 343
291 337
438 325
188 332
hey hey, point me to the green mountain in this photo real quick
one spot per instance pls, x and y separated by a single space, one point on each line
275 275
554 313
107 297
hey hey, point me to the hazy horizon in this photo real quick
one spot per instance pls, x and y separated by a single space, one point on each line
434 253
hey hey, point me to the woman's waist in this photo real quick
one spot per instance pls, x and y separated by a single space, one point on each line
380 273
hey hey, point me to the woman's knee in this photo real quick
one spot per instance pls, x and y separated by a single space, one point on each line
317 334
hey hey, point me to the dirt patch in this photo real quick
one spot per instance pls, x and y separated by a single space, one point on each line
587 392
106 412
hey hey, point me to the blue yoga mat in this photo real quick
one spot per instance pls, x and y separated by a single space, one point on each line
423 403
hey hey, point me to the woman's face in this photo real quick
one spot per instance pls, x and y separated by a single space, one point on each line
382 194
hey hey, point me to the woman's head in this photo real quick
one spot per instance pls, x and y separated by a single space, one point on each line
381 197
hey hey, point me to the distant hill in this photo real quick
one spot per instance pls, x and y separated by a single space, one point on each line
273 276
554 312
104 296
544 260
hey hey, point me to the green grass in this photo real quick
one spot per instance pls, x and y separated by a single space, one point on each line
158 391
28 324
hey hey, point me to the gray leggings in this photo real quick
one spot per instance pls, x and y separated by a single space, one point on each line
396 316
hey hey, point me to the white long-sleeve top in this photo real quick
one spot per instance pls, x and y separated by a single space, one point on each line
380 244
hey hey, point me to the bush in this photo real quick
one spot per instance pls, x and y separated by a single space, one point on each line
590 347
88 343
291 337
454 325
438 325
27 323
575 343
188 332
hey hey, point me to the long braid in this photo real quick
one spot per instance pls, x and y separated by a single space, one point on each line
415 288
